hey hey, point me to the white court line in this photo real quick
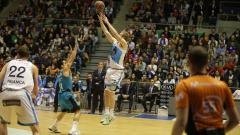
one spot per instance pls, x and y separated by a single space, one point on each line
14 131
135 116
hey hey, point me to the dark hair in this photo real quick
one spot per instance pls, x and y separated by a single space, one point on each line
23 51
198 57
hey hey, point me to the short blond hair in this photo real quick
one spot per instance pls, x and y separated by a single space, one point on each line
125 35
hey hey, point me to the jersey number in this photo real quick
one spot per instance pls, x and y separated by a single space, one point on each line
20 70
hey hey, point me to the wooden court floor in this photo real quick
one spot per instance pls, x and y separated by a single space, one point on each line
89 125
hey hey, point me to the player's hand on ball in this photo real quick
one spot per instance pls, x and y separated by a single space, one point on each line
99 17
104 18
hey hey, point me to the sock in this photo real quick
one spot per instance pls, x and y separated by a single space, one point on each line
55 123
107 110
111 112
74 125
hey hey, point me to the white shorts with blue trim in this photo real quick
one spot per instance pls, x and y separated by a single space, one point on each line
21 103
113 78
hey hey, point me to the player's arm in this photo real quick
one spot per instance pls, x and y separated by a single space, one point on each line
2 75
71 58
35 79
109 37
115 33
182 108
181 121
232 113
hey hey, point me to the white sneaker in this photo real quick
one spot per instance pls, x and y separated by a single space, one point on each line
106 120
54 129
76 132
103 118
112 117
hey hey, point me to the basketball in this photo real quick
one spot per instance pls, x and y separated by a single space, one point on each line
99 6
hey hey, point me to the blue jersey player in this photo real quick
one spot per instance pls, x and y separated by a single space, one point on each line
115 71
66 97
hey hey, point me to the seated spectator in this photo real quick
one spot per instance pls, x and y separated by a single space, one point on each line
127 91
163 41
127 70
230 78
170 79
157 82
52 70
218 76
150 94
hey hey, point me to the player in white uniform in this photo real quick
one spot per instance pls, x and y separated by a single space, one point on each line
19 85
115 71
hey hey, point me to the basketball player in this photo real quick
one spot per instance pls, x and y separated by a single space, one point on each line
19 85
201 100
115 71
66 97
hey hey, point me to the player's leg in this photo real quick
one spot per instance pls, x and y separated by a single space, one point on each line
106 100
26 113
105 120
76 109
3 129
5 110
35 129
111 103
64 105
54 126
5 113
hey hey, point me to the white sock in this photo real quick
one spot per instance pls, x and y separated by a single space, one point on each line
111 112
55 123
74 125
107 110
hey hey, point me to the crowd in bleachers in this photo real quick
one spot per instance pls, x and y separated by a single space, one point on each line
49 32
161 11
162 55
183 12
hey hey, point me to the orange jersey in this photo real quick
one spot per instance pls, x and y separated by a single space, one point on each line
206 97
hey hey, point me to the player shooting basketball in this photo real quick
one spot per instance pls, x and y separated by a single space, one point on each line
115 71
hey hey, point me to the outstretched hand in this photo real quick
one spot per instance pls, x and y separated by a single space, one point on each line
100 17
104 18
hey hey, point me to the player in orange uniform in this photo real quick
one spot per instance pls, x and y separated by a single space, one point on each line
201 100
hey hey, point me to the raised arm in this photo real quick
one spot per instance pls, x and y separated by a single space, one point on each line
115 33
110 38
70 59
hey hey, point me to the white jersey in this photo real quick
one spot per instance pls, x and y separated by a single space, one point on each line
19 75
117 56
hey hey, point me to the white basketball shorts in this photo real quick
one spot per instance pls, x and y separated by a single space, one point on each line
113 78
21 103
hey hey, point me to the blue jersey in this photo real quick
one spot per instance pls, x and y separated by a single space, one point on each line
117 56
65 83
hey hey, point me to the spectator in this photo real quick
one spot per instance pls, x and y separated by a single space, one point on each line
89 90
127 70
169 80
98 87
163 41
127 91
150 94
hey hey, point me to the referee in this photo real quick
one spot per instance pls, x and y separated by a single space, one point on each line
201 101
